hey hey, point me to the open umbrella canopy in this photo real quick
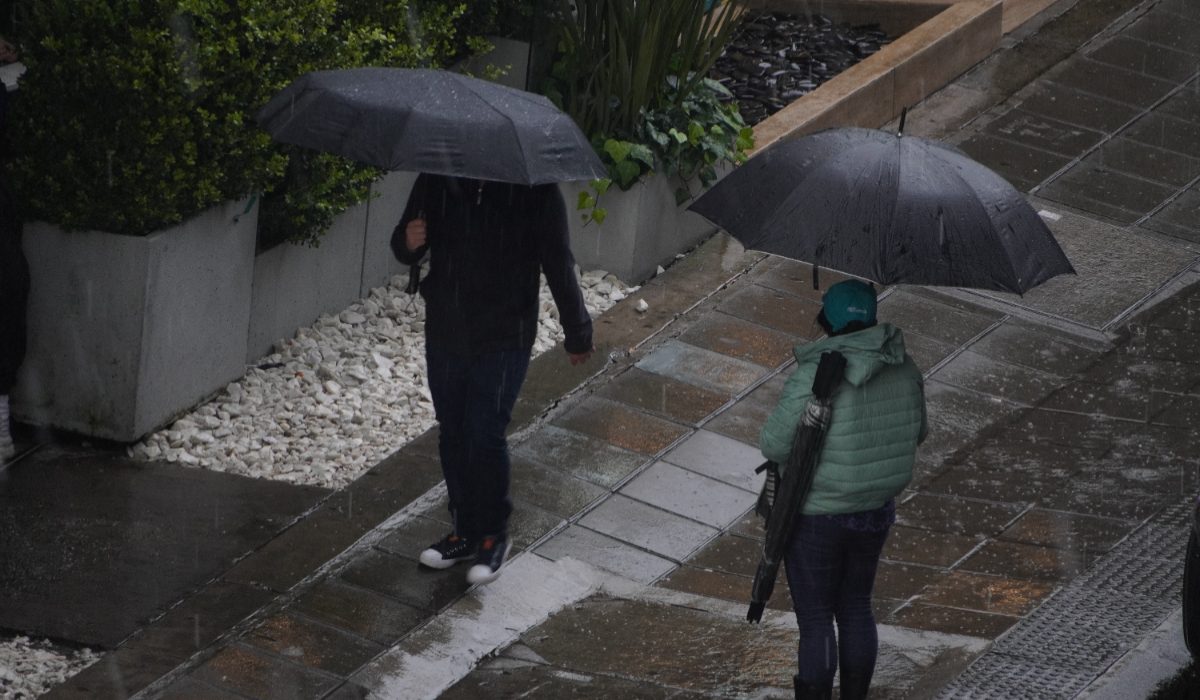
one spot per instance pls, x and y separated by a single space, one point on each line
889 208
432 121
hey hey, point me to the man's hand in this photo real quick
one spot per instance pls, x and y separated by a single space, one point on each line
414 234
581 358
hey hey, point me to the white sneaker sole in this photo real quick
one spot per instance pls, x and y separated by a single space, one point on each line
484 574
433 559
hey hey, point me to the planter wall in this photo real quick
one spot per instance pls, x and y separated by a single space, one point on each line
125 331
293 285
644 229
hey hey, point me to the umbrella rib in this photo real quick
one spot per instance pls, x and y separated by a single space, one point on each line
512 123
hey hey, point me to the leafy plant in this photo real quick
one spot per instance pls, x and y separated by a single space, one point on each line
137 114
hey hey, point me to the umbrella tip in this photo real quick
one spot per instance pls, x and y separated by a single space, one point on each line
903 115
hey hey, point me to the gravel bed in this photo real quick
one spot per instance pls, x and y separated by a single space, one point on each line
30 668
775 59
339 397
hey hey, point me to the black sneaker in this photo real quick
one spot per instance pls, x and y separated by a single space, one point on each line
447 552
493 551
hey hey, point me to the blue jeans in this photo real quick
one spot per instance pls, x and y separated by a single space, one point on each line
831 571
473 398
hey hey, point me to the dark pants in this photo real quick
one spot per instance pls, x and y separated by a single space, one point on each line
831 571
473 398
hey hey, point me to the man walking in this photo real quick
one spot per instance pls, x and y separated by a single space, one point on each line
488 242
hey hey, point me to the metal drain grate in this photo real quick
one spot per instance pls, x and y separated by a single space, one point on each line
1084 628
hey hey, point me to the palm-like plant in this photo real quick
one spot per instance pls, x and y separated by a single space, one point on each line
618 56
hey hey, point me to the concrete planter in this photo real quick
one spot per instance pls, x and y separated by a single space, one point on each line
125 331
644 228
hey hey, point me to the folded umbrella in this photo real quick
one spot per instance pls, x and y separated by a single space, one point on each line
432 121
888 208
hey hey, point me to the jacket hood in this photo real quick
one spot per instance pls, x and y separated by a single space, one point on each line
867 351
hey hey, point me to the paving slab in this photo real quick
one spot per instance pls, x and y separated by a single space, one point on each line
667 397
942 514
721 458
907 545
1063 530
981 374
650 528
1113 82
948 620
1043 133
1007 594
1021 345
744 340
968 410
313 644
1100 254
730 553
742 422
265 677
94 546
1146 161
622 426
1027 562
587 457
689 494
403 579
778 310
606 553
359 610
702 368
550 489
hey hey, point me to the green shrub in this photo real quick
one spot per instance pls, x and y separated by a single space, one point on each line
137 114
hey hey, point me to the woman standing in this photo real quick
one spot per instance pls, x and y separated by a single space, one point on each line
877 421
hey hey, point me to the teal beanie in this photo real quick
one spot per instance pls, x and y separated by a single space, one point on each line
849 301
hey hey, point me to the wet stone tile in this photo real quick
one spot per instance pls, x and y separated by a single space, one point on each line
1180 218
744 340
731 554
1127 402
902 581
1125 372
1184 105
348 691
658 394
712 264
995 485
658 531
1016 453
1023 346
955 515
912 546
796 278
1113 83
1037 131
1062 530
1142 160
116 676
743 422
1166 132
638 640
990 594
528 524
537 682
200 619
1109 494
188 688
727 586
965 409
1086 185
941 445
1027 561
412 536
934 319
936 618
1024 167
605 552
550 489
985 375
1077 107
298 552
702 368
926 352
769 392
751 526
689 494
621 426
623 327
721 458
587 457
369 614
1067 428
1167 29
777 310
264 677
1158 439
404 580
313 644
1171 344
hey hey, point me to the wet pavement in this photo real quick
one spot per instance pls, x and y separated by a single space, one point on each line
1061 433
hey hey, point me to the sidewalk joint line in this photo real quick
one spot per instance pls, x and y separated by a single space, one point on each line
1150 295
963 348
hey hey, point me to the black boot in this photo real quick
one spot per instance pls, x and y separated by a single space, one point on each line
804 691
854 686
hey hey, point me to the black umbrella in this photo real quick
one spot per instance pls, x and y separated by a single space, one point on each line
432 121
885 207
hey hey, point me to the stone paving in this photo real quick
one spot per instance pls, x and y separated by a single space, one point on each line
1061 428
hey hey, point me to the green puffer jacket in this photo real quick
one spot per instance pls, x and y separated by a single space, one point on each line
878 418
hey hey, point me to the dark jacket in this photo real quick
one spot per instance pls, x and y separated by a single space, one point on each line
486 251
